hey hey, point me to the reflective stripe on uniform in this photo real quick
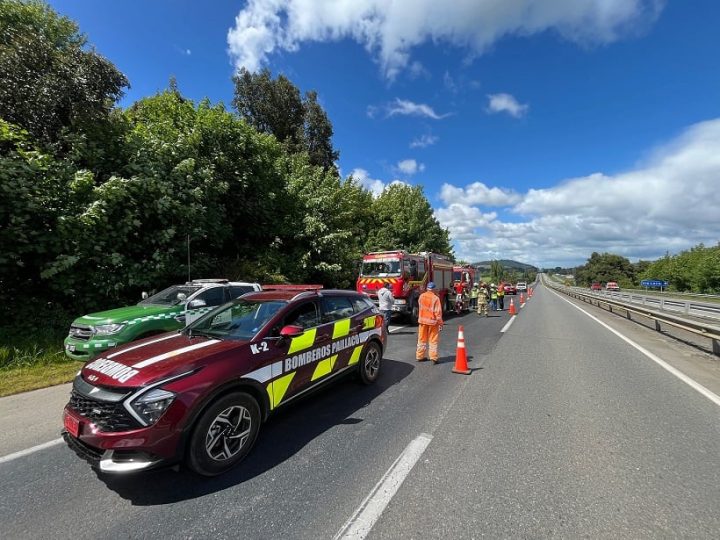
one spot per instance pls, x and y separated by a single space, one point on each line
429 309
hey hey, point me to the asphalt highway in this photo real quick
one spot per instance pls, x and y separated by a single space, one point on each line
561 430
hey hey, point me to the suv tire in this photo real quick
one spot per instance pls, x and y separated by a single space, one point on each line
369 366
224 434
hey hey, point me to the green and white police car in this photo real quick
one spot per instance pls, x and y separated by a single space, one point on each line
165 311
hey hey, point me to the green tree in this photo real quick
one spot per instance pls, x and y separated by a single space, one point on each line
318 132
497 271
404 220
275 106
605 267
330 219
51 81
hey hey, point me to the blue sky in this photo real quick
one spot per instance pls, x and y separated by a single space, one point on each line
540 131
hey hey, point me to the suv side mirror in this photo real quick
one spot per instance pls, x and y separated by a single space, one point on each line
197 303
291 331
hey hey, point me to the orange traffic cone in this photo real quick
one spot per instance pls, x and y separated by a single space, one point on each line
530 292
512 308
522 299
461 365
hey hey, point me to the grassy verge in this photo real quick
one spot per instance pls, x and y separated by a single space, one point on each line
32 357
22 379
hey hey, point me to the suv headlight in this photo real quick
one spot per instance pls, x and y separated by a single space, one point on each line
151 405
107 329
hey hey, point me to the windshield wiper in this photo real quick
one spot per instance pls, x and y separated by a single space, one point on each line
191 332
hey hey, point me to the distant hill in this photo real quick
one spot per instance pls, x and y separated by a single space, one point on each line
506 264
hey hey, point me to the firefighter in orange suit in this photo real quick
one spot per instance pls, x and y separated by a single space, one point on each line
430 323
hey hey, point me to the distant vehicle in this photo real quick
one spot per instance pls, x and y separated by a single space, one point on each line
510 288
521 286
596 286
612 286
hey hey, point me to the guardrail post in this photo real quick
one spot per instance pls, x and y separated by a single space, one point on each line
662 304
657 326
687 308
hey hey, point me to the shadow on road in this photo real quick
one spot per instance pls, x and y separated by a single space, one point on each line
285 434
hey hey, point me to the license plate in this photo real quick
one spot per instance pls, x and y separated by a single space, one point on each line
72 425
70 347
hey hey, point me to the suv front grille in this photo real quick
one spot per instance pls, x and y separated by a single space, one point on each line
81 331
109 417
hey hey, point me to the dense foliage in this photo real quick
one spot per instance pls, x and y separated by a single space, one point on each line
99 203
695 270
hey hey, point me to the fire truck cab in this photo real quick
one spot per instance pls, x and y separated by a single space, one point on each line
408 275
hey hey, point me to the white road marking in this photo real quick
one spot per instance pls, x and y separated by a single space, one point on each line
507 325
367 514
31 450
679 374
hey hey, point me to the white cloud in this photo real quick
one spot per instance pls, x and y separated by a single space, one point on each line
404 107
424 141
390 30
417 70
409 167
375 186
506 103
669 202
478 193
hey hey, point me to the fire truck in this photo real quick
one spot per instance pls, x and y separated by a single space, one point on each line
463 279
408 275
464 275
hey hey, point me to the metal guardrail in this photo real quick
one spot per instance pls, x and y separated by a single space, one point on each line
674 305
700 328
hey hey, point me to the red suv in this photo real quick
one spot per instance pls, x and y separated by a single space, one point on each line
200 394
595 286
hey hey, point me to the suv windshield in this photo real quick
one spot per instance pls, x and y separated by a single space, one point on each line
384 268
241 319
169 297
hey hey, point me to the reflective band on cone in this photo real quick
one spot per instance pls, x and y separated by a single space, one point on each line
461 365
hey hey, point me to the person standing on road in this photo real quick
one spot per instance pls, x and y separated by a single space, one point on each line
430 322
482 300
474 293
386 300
493 297
501 296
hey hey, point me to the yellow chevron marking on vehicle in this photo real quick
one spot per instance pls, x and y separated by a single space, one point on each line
341 328
324 367
277 388
369 322
355 356
305 341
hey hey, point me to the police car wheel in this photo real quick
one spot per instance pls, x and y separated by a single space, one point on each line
224 434
369 368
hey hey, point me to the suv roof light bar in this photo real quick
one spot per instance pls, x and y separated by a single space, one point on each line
284 287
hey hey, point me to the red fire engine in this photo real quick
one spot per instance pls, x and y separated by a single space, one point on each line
464 276
408 273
